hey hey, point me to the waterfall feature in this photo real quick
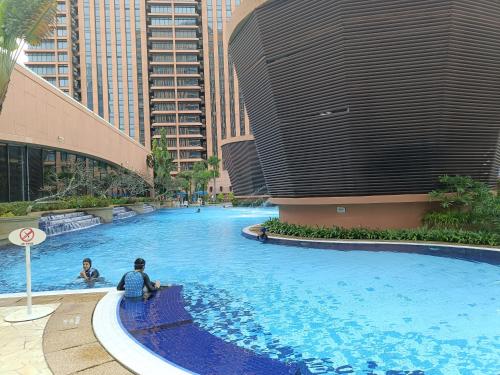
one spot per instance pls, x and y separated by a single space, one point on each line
63 223
148 208
120 213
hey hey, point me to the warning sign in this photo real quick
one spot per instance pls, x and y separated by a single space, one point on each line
27 236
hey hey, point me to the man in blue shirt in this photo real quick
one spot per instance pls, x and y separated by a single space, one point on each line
134 283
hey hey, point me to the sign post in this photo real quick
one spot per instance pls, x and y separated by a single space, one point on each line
27 237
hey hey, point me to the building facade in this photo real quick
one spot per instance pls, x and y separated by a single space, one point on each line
55 133
357 110
147 65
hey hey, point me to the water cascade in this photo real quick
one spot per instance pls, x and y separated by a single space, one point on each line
148 208
54 225
120 213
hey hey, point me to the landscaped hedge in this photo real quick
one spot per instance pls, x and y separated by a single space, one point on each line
22 208
419 234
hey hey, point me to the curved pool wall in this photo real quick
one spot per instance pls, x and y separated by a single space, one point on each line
163 325
370 310
464 252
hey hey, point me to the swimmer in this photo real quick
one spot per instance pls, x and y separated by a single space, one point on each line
88 273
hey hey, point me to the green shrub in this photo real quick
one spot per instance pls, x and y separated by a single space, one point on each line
13 208
465 204
460 236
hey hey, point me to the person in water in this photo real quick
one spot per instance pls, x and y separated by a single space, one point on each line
88 272
136 282
262 237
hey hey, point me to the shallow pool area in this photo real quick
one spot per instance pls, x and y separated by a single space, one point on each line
357 312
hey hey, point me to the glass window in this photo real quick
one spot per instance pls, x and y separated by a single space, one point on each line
164 107
63 82
41 57
63 69
161 21
186 45
163 57
189 107
62 31
163 82
161 33
187 82
163 69
61 20
44 69
45 44
186 34
191 94
161 9
185 10
62 56
189 118
186 21
61 7
184 57
62 44
187 70
162 45
164 118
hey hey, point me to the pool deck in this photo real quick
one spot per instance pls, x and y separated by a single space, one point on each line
62 343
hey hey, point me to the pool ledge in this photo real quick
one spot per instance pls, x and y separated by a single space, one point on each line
123 347
465 252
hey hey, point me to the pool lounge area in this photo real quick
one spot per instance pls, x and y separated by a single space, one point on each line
273 309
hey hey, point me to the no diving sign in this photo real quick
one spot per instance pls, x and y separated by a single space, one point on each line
27 236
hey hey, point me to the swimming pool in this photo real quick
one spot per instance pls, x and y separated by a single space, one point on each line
373 311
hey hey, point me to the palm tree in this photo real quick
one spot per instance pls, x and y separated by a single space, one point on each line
213 161
27 21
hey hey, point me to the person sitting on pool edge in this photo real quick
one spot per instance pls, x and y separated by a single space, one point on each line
262 237
134 283
88 272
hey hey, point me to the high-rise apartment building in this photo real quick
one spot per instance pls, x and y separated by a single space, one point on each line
144 65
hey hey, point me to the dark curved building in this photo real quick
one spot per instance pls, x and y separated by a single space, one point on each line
357 107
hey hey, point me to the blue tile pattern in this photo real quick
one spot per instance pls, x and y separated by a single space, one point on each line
162 325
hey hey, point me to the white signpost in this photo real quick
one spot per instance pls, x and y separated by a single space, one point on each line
27 237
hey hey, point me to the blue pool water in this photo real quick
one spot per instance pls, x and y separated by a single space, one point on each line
377 312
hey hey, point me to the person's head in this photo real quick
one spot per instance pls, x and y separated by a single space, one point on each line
87 263
263 229
139 264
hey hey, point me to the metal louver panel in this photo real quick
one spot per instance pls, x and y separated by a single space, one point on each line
354 98
243 166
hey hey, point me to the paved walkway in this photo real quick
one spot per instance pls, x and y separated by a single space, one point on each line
61 344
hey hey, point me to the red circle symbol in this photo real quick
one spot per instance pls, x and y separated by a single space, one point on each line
27 235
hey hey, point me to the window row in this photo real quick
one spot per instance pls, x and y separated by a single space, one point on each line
172 107
169 45
170 94
168 21
181 81
169 57
178 33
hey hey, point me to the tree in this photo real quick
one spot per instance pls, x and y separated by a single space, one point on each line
201 175
162 165
29 21
184 180
213 161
